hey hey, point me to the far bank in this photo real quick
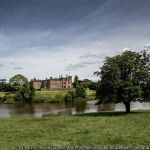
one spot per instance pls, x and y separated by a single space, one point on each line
50 96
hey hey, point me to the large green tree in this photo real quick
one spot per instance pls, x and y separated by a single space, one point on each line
125 78
25 91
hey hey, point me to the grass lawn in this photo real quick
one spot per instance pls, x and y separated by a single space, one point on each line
52 96
91 129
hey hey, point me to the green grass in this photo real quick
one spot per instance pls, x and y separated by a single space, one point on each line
53 96
89 129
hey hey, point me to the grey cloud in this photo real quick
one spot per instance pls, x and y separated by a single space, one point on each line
72 67
18 68
63 60
92 55
1 65
89 62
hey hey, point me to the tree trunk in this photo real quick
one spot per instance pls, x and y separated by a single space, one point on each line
127 105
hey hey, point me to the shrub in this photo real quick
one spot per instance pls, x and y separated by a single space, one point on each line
18 96
72 93
25 94
4 98
68 97
80 91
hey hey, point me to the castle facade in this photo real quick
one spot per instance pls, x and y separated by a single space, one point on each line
52 83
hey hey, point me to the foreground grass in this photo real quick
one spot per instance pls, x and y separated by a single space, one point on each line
90 129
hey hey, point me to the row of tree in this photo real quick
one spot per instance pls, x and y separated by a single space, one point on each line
86 83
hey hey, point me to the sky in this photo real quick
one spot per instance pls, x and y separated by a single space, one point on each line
43 38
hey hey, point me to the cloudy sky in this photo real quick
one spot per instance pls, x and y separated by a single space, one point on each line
43 38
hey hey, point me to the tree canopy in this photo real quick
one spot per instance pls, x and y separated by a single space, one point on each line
125 78
18 80
80 91
25 91
76 80
86 83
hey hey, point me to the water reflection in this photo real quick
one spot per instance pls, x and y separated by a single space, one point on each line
81 106
106 107
21 109
38 110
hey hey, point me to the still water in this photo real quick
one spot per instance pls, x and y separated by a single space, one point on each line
38 110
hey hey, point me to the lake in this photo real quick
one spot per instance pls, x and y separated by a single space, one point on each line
38 110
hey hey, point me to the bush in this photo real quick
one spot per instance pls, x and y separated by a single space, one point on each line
68 97
80 91
18 96
25 94
72 93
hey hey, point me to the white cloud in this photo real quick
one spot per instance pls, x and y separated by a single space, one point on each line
147 46
128 49
124 49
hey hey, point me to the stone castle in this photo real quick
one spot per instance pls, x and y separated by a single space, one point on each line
52 83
